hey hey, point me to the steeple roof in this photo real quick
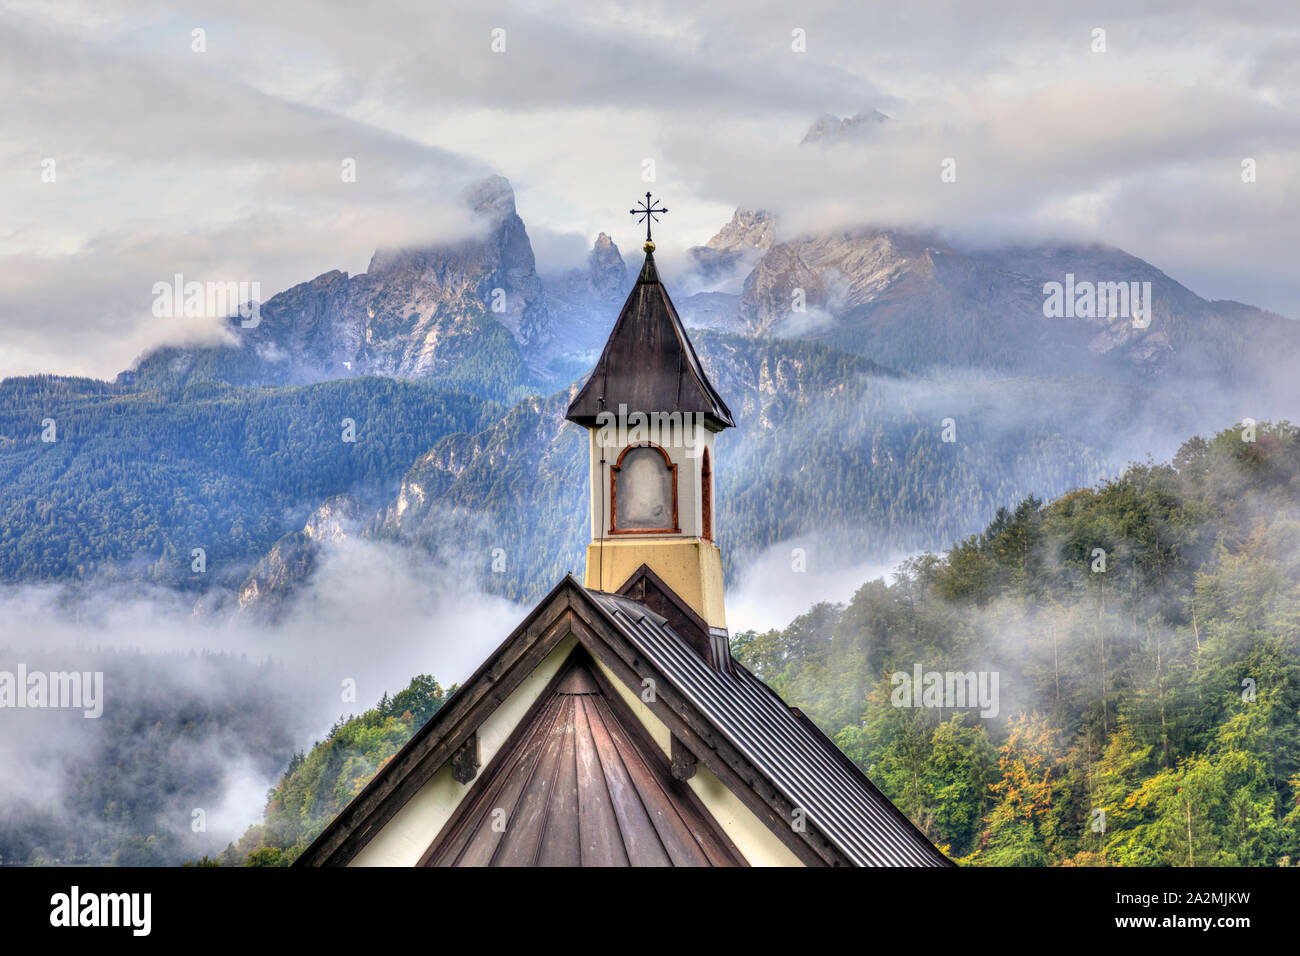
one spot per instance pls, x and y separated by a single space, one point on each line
648 363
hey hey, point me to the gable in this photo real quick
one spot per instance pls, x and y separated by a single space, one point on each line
649 590
580 783
778 770
402 839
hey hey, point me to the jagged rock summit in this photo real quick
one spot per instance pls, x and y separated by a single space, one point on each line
462 311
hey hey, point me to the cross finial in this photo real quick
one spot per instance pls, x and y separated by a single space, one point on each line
648 212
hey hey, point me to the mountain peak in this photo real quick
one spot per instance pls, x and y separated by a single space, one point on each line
492 200
748 229
606 268
830 128
492 197
738 245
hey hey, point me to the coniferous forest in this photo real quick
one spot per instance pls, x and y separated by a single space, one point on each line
1144 633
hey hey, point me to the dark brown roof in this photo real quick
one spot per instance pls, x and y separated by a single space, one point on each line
573 787
775 761
649 364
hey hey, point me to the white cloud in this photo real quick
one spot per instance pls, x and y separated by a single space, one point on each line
771 592
373 614
227 162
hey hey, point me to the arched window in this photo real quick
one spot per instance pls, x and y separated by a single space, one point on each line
706 499
643 491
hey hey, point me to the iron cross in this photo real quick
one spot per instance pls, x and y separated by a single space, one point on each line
647 212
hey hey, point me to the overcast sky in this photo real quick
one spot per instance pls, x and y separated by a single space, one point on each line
225 164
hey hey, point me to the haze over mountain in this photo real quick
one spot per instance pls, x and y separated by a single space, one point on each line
844 352
477 315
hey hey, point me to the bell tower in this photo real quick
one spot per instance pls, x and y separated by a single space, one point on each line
652 416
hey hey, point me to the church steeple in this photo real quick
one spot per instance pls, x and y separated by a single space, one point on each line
652 416
649 364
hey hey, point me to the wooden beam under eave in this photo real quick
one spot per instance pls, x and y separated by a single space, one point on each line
684 762
465 761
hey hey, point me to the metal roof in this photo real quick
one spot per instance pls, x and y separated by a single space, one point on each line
648 364
788 749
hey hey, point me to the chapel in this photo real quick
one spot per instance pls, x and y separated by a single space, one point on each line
613 727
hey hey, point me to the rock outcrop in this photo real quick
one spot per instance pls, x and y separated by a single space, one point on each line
294 557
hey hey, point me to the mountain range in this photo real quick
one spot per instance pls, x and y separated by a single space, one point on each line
894 392
476 315
845 354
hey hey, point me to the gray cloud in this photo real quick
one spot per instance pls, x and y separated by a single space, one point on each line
226 164
372 614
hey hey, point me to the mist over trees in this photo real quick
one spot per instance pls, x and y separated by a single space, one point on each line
1144 632
318 784
161 776
829 444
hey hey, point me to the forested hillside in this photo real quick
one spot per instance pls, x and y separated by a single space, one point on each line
137 478
316 786
102 480
1145 637
831 453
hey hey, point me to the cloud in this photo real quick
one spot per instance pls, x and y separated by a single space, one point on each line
163 167
373 615
771 592
231 157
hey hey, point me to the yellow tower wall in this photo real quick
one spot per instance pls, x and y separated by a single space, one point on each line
690 566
